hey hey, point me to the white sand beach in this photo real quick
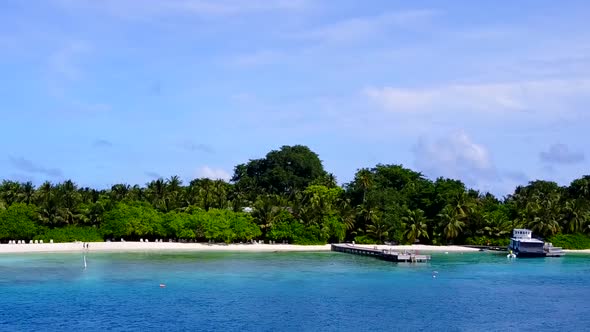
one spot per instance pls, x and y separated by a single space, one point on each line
577 251
175 246
153 246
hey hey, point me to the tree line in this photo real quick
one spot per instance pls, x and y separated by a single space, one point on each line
288 196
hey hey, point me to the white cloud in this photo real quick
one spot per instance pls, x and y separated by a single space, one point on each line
65 61
257 58
551 96
455 156
359 28
149 9
213 173
561 154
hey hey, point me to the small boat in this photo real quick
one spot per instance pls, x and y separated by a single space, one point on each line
522 244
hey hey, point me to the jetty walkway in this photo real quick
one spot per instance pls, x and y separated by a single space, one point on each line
383 254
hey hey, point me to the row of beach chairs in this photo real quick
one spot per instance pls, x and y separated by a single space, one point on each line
156 240
30 241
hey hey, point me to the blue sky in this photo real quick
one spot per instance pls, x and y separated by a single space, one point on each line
111 91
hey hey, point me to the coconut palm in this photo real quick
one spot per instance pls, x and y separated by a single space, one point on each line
451 222
378 229
575 216
463 205
220 193
27 192
415 223
9 192
119 192
496 225
174 193
544 214
347 213
364 179
156 193
266 212
580 187
68 200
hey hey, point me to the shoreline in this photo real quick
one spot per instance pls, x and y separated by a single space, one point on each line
132 246
577 251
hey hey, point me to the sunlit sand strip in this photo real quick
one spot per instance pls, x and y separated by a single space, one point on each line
175 246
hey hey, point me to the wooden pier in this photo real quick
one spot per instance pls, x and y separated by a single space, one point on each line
383 254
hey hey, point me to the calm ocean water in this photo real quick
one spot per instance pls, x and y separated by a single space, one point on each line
291 292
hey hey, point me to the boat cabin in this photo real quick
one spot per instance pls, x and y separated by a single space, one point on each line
523 243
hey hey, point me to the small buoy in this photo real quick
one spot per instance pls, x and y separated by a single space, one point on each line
446 252
162 285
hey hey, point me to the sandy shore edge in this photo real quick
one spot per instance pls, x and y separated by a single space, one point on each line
200 247
578 251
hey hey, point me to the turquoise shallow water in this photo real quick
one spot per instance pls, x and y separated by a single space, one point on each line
292 292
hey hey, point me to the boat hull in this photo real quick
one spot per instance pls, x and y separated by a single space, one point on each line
529 254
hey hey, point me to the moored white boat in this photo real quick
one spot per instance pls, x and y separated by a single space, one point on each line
522 244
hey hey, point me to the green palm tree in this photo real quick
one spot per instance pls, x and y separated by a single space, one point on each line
496 225
174 193
415 223
575 216
463 205
156 193
266 212
451 222
347 214
27 192
364 177
9 192
136 193
119 192
378 229
68 200
220 193
542 214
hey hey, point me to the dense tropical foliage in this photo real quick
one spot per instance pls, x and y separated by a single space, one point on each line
287 196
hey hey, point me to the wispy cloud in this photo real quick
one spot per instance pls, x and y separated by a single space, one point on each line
71 107
561 154
66 69
213 173
359 28
28 166
455 156
65 61
257 58
102 143
151 9
193 147
532 96
153 175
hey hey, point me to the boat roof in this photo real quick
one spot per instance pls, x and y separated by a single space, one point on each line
519 239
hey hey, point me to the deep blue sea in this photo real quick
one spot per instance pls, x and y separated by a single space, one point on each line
291 292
